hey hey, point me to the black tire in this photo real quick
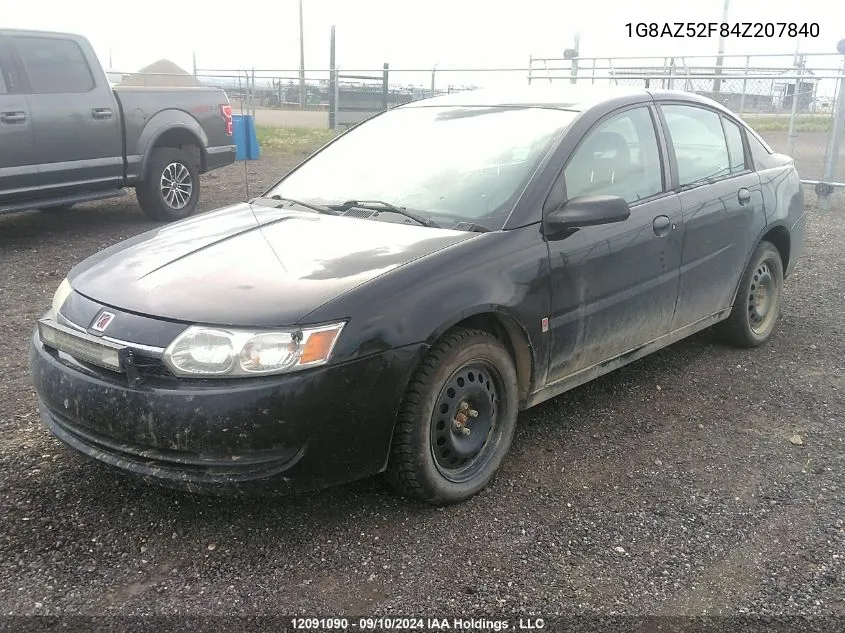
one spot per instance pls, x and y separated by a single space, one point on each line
432 457
757 305
171 189
61 208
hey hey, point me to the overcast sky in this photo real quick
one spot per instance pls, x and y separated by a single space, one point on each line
450 33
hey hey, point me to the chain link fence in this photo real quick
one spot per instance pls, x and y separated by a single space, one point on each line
793 101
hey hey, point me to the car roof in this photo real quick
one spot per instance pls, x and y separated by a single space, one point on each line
560 96
32 33
574 97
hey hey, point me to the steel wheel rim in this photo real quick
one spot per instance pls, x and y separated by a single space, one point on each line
176 185
465 425
763 298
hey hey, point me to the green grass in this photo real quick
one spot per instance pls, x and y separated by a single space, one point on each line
780 123
292 140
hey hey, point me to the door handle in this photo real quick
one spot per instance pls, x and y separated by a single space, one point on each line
662 225
13 117
101 113
743 195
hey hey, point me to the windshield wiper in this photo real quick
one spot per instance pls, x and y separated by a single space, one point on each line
308 205
471 227
375 205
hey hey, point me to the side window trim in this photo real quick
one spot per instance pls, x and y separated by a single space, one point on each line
746 152
8 70
560 181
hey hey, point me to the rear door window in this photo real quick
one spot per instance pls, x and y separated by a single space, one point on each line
54 65
699 142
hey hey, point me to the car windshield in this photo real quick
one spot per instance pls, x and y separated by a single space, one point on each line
448 164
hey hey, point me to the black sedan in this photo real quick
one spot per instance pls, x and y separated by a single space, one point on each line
395 301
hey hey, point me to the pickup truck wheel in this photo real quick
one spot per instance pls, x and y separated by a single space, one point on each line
172 187
757 305
456 421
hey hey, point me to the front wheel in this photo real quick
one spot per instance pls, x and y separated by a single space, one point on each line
757 305
457 419
171 189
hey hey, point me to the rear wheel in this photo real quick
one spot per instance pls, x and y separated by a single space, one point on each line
757 305
171 189
457 419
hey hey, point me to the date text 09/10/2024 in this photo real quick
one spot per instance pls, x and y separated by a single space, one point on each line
415 624
722 29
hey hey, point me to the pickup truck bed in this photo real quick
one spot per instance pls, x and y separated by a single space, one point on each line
66 136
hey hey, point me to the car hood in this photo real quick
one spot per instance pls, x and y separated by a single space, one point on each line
250 264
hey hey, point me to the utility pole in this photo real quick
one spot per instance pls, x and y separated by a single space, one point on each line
717 82
301 59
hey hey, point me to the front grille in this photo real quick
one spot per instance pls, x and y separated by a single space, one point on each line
148 366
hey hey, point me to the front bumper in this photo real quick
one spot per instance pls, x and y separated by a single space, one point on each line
279 434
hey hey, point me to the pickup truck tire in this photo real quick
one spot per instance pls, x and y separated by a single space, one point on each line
171 189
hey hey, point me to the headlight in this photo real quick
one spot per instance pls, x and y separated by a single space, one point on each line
203 351
62 293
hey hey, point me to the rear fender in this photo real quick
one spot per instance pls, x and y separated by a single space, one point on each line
169 122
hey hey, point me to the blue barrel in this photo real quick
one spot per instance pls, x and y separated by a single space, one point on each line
244 137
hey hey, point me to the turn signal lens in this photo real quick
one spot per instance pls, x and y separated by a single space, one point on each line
62 293
318 346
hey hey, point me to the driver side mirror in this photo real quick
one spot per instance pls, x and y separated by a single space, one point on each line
587 211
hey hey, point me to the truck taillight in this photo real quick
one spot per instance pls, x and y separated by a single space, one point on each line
226 111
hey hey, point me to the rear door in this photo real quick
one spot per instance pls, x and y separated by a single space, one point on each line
75 122
722 204
18 174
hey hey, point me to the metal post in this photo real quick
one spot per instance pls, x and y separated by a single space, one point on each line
835 140
384 86
332 85
252 94
671 67
790 136
573 68
301 59
744 84
720 58
336 98
530 67
433 71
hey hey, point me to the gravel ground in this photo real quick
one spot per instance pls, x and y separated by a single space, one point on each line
671 486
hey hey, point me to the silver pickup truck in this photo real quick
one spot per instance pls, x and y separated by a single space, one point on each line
67 137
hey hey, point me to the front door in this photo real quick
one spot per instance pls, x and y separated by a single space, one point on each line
75 121
614 287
